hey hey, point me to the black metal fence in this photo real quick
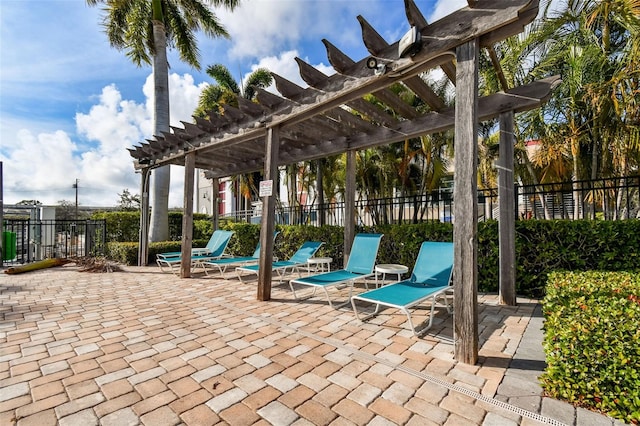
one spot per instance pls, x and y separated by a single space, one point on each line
27 240
607 199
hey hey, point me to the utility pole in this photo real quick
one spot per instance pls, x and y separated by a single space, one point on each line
75 185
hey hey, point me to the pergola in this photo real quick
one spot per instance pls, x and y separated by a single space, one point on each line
331 117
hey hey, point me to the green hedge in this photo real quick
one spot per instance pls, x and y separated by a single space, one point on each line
124 226
541 246
592 341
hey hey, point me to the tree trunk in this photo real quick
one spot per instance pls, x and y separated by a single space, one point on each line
42 264
159 227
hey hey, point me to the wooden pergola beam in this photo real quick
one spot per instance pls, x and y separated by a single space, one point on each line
522 98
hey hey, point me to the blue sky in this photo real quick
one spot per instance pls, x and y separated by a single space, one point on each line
70 104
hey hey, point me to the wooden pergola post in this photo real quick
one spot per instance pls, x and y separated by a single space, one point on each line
465 209
187 215
268 215
507 215
143 237
349 204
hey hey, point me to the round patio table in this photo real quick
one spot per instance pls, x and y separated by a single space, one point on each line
390 268
320 264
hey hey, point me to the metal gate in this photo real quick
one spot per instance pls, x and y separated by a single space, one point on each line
43 239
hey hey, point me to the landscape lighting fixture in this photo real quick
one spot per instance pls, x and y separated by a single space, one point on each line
378 69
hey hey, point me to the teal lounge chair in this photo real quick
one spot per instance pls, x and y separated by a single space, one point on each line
281 267
359 266
430 279
215 249
223 263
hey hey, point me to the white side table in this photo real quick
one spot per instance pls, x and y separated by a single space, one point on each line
390 268
320 264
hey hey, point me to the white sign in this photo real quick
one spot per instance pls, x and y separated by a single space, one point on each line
266 188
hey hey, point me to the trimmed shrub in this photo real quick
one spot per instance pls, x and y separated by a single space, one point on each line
541 246
124 226
124 253
401 244
293 236
592 341
121 226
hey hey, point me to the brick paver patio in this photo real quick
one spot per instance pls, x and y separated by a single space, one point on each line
143 347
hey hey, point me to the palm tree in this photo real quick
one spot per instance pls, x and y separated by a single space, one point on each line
144 29
226 92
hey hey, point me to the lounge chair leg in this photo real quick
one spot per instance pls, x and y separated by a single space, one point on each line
367 316
295 296
328 298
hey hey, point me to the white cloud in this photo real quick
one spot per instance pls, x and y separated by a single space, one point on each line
40 163
48 163
446 7
285 66
114 123
262 28
45 151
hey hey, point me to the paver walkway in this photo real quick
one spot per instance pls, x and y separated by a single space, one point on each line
142 347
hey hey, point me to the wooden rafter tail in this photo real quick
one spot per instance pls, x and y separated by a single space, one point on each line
232 113
289 89
168 144
269 100
173 139
136 152
192 130
338 60
414 16
311 75
250 108
147 149
373 41
417 19
218 121
159 143
180 132
346 66
205 125
376 45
